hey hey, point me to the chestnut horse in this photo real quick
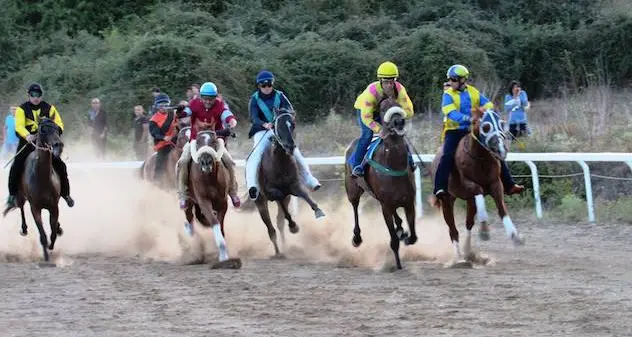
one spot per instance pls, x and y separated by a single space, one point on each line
208 182
279 178
148 168
40 183
476 173
388 179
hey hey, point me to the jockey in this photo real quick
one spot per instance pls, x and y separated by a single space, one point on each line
457 104
263 103
367 107
26 118
162 127
206 111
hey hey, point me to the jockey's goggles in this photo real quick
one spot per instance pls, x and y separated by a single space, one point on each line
208 97
35 94
265 84
453 79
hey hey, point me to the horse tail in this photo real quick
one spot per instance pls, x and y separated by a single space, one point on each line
8 209
434 201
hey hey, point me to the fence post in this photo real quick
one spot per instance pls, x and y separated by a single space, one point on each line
418 192
589 196
536 188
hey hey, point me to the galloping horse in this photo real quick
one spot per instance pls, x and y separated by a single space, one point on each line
40 184
476 173
388 178
208 182
148 168
279 179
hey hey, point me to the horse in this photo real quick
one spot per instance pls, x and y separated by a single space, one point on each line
208 182
279 178
148 168
388 178
476 173
40 184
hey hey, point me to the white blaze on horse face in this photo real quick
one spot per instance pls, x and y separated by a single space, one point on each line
481 211
509 226
220 242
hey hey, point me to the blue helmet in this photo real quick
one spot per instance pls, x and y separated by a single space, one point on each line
208 89
162 98
264 76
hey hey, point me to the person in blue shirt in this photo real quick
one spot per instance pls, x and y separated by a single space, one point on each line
10 145
517 105
262 104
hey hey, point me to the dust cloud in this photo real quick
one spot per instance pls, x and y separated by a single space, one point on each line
118 214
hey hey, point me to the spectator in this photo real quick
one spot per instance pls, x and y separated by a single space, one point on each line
99 125
195 90
10 138
141 132
517 105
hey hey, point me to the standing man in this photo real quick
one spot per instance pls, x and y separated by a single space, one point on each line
141 132
99 125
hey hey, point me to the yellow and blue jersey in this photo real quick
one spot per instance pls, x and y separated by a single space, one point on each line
457 107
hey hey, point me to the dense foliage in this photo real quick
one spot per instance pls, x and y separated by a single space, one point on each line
324 52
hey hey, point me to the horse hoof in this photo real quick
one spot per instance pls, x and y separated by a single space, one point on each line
228 264
23 232
517 240
410 240
60 231
278 256
319 213
462 265
293 228
484 235
401 234
357 241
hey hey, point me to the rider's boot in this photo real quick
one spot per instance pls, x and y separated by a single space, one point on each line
182 172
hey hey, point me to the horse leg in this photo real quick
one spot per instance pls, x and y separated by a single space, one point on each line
447 206
281 218
292 225
298 191
37 216
410 218
211 216
387 212
401 233
469 223
53 215
481 212
24 231
497 193
262 206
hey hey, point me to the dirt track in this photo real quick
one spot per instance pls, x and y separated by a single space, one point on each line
119 275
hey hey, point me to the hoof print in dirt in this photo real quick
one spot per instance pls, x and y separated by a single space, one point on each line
228 264
46 265
461 265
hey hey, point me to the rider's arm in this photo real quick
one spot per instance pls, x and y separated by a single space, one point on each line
20 123
486 103
449 109
54 114
155 132
405 102
227 115
367 103
253 110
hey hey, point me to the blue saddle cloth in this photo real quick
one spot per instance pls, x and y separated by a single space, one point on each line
372 146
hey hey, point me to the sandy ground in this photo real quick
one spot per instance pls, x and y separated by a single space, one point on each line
121 271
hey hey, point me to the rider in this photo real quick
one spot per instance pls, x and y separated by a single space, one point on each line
262 105
208 110
162 127
457 105
26 121
367 107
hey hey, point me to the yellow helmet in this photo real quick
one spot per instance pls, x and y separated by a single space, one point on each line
387 70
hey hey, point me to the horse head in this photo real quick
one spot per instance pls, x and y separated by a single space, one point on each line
210 150
284 127
392 116
49 136
488 128
184 135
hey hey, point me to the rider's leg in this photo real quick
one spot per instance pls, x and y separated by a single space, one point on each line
232 184
509 184
446 164
17 168
161 160
261 141
62 171
411 161
182 169
357 157
305 172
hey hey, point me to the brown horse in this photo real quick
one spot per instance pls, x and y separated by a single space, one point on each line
40 183
388 179
476 173
148 168
279 178
208 182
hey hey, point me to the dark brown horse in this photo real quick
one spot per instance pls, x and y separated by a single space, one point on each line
279 178
208 182
388 179
40 184
148 168
476 173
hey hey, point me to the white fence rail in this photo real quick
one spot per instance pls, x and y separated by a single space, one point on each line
529 158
